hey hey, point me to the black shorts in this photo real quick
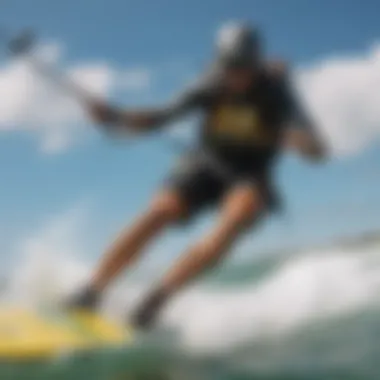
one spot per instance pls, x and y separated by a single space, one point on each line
202 181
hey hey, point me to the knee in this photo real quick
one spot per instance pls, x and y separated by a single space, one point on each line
242 213
167 207
248 218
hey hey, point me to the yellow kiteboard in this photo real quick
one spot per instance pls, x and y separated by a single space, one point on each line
26 334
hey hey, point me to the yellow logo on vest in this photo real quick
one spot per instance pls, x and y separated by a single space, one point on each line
240 123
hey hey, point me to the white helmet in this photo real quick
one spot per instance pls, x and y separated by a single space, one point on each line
238 44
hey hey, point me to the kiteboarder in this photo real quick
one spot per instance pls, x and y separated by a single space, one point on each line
249 115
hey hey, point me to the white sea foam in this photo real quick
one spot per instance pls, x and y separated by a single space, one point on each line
307 287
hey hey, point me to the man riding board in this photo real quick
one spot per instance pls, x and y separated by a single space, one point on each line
249 116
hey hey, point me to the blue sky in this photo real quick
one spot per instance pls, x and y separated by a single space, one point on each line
154 48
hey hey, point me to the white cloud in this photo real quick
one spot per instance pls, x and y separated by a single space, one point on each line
343 94
33 104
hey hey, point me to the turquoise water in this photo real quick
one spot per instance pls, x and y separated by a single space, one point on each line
314 315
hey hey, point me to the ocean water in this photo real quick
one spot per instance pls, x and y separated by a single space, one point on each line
310 315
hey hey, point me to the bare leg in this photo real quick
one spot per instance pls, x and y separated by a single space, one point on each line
126 249
242 206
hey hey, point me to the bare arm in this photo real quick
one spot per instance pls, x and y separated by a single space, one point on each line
145 119
301 133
